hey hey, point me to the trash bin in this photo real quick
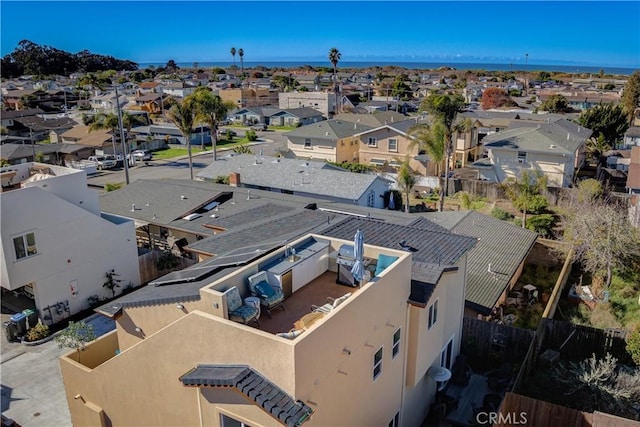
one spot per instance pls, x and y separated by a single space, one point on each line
11 330
32 317
21 323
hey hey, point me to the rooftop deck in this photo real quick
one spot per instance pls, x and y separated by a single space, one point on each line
300 302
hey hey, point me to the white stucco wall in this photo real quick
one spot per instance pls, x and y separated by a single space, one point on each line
72 245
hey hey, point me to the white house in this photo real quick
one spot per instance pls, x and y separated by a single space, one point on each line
325 102
56 245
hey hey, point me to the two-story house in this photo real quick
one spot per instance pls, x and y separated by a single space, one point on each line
325 102
331 140
555 149
56 244
363 360
388 145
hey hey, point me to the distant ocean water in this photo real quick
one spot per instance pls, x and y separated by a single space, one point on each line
578 69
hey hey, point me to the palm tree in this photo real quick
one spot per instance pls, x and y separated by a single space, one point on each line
209 108
233 53
334 58
444 109
406 181
129 121
429 139
182 115
104 121
241 55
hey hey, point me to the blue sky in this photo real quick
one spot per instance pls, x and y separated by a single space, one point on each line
582 33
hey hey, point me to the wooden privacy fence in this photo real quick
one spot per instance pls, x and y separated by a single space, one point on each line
482 337
580 342
149 271
517 409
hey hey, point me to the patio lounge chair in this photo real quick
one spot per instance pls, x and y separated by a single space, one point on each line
331 304
270 297
239 312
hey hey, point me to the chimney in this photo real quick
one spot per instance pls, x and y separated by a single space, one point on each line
234 179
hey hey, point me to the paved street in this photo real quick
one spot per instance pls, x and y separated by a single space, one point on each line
269 142
32 389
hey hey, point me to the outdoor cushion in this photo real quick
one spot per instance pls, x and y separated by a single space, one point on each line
291 334
384 261
265 289
243 313
233 299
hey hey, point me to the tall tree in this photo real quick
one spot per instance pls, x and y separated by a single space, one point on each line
526 193
129 121
241 55
211 109
406 181
107 121
445 109
555 104
631 95
494 97
334 58
182 115
430 139
607 120
233 54
601 237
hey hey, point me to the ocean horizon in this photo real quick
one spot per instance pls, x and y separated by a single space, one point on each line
574 69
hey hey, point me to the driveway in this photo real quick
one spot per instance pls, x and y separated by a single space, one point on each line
32 388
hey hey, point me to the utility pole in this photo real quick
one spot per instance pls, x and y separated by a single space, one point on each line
526 74
125 160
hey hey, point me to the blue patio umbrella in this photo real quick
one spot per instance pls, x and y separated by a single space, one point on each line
358 252
392 202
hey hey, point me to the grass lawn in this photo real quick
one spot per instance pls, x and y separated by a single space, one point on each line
170 153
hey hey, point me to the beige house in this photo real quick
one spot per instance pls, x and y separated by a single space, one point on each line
176 358
388 145
330 140
249 97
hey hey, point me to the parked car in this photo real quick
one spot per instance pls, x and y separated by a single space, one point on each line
223 132
142 155
259 126
103 162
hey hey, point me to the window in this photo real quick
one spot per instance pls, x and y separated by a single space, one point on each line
377 364
522 157
371 199
445 355
395 349
372 142
227 421
395 422
393 145
433 314
25 246
307 143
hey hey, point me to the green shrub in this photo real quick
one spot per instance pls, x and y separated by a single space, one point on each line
501 214
541 224
251 135
38 332
112 186
633 345
221 179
